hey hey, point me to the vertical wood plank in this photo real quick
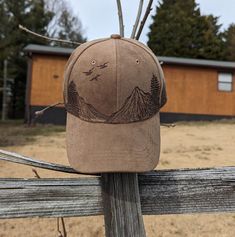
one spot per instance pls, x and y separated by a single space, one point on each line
121 202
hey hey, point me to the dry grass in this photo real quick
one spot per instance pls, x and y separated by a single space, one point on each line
15 133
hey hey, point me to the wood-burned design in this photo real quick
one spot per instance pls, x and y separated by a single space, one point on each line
95 78
102 66
138 106
89 72
77 106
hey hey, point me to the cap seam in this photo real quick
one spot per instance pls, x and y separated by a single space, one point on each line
116 72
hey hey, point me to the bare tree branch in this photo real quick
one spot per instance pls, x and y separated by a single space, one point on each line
41 112
120 17
48 38
168 125
16 158
148 10
36 174
63 227
137 19
58 218
56 7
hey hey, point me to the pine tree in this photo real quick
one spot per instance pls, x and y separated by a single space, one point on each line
230 43
72 94
155 92
179 30
72 104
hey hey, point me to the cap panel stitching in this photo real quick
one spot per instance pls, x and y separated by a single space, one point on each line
116 68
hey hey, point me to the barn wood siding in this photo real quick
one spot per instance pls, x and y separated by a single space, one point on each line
193 90
47 79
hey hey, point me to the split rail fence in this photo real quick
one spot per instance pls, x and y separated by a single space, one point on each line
122 198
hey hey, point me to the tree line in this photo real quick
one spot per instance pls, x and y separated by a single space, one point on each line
180 30
53 18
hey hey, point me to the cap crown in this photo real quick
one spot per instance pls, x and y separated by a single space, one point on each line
114 80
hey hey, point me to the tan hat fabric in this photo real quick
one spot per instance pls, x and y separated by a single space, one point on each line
113 91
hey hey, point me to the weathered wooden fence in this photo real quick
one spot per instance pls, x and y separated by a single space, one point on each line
119 197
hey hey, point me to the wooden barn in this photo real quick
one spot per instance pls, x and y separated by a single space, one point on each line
197 89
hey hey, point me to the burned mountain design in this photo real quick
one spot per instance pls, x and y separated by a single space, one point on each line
77 106
138 106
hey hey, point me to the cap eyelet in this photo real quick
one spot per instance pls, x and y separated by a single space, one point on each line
93 62
137 61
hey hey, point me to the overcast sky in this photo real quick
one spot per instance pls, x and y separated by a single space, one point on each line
99 17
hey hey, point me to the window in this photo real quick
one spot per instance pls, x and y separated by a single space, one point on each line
225 81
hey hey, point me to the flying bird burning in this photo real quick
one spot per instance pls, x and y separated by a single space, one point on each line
102 66
89 72
95 78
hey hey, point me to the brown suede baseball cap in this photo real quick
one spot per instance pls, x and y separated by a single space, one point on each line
113 91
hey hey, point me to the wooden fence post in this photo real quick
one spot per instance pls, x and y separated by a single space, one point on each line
122 208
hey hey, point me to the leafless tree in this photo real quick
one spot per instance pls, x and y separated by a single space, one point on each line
120 17
137 19
148 10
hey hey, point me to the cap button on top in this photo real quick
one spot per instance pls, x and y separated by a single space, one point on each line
115 36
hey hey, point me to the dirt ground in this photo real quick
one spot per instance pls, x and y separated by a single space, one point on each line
188 145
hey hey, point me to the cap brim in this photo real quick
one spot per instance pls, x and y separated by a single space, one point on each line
100 147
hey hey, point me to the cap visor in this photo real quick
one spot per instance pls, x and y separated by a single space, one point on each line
99 147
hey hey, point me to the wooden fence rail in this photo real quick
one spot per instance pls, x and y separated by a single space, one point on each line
161 192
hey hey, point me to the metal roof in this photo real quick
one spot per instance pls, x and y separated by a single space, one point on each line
197 62
42 49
